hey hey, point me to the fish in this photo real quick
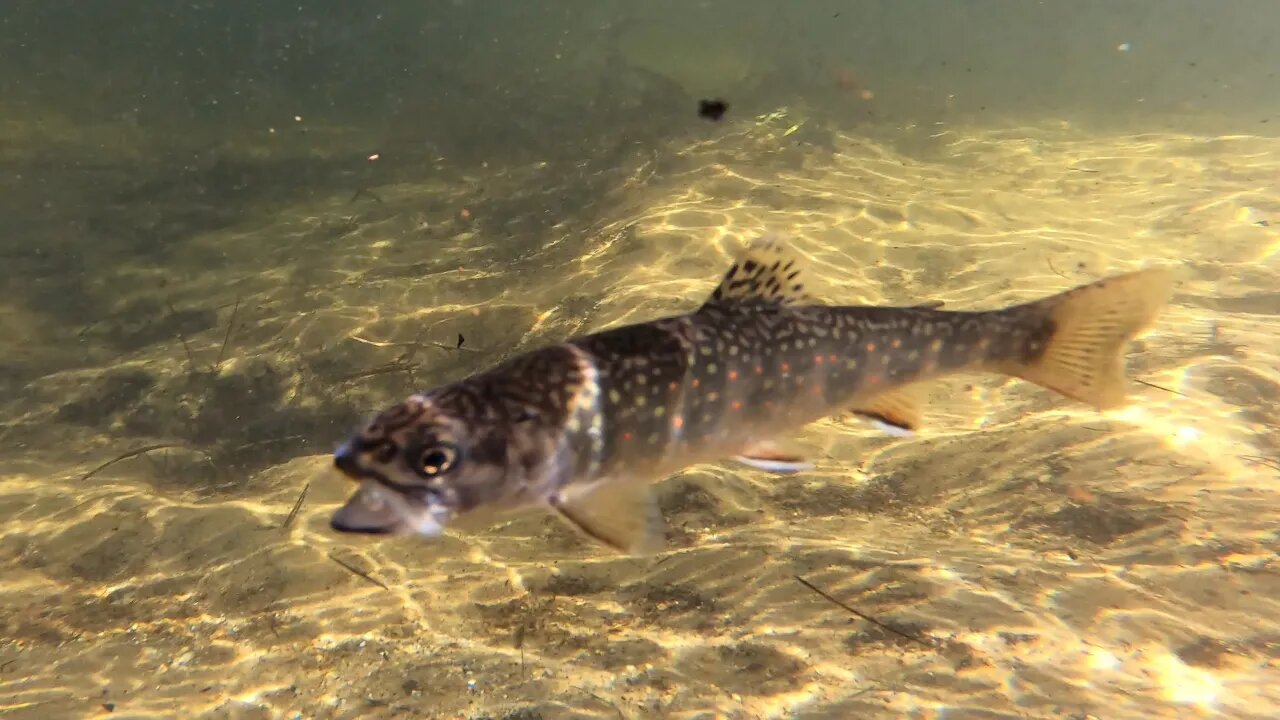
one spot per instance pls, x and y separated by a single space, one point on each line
582 429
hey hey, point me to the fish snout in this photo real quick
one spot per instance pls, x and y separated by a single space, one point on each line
344 458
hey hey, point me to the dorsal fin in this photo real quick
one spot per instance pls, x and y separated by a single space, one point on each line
766 273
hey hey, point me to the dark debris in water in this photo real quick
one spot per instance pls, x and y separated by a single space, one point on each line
713 109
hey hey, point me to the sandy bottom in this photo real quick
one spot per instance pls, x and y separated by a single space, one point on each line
1034 558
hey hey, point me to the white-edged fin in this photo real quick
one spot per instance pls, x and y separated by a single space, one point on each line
770 457
896 412
765 273
782 467
621 514
891 430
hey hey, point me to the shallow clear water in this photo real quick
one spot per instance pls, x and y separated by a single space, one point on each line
198 307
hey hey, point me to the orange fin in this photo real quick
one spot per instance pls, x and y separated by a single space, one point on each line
897 412
1093 324
770 457
621 514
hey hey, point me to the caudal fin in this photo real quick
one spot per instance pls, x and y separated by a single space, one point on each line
1092 326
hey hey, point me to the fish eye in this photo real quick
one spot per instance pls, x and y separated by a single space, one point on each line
436 460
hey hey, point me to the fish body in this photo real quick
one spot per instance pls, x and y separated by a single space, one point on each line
582 428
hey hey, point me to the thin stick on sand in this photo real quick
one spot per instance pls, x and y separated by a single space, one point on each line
133 454
231 325
357 571
854 611
1158 387
302 496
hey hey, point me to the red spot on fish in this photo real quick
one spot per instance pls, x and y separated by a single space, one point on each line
817 359
677 422
733 374
871 347
696 382
736 404
896 344
626 436
817 390
873 379
831 358
786 367
759 370
672 386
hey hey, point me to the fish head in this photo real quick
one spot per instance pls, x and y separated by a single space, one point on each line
421 466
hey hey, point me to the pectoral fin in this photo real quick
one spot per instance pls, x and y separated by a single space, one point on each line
619 513
771 457
896 412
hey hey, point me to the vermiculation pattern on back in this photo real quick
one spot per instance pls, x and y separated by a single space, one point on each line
751 362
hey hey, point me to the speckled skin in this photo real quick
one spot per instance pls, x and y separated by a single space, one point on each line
684 389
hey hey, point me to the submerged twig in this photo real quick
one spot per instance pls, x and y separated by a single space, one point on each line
191 356
133 454
357 571
854 611
1158 387
231 325
517 639
1265 462
457 347
603 701
302 496
392 367
417 345
1055 270
269 441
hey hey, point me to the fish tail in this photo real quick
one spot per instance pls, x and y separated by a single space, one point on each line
1089 329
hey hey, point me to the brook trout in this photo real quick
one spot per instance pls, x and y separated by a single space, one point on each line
581 429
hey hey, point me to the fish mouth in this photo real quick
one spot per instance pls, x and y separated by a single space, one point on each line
375 509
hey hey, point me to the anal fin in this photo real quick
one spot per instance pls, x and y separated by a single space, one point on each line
771 457
898 412
621 514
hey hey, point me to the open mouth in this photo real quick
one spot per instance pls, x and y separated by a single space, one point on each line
375 509
370 511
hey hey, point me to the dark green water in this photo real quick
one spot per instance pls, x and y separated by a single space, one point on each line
229 230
